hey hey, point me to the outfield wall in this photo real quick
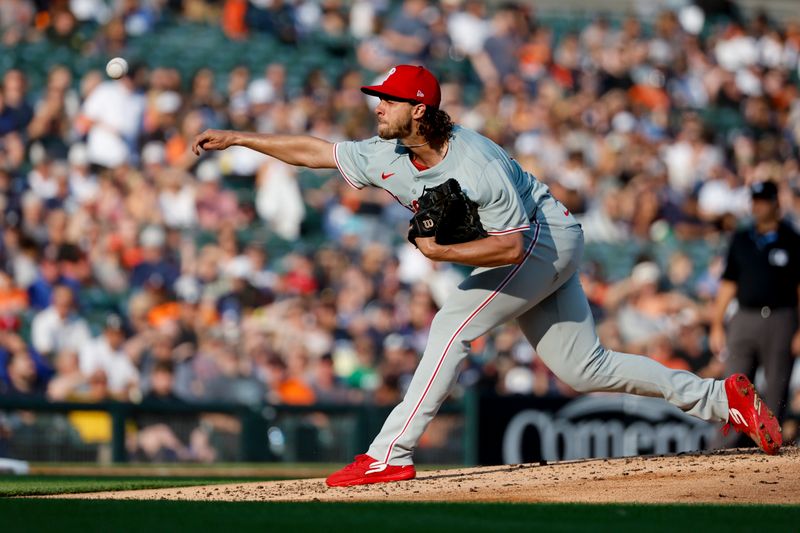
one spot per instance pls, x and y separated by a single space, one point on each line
480 429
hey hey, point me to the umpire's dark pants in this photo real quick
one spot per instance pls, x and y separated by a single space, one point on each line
762 337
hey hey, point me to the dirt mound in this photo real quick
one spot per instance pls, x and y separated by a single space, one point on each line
731 476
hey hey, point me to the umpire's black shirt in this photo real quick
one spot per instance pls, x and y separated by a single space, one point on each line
765 267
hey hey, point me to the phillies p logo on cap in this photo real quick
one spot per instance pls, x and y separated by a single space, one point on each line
408 83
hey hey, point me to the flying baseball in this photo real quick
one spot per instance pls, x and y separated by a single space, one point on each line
116 68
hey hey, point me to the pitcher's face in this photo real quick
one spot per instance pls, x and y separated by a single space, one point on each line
394 119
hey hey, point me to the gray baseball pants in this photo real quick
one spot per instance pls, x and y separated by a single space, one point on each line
544 294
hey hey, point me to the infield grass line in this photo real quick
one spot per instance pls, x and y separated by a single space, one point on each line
86 516
11 486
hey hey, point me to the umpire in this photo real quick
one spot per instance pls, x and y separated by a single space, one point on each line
763 274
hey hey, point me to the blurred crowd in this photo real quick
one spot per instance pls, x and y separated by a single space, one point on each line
133 270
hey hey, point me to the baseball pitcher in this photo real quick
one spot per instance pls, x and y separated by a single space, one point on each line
475 205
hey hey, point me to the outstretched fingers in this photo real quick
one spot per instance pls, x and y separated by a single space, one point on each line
207 140
199 142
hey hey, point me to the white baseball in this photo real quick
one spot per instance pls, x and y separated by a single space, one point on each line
116 68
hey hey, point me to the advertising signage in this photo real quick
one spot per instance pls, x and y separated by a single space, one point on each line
525 429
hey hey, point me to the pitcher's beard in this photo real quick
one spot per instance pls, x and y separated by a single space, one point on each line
398 132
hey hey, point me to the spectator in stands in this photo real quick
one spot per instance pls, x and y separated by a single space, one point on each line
111 137
279 201
83 185
408 34
158 440
327 386
21 376
398 361
15 19
177 199
647 312
287 388
155 268
10 342
15 111
107 354
68 383
48 276
468 26
274 17
112 39
13 302
213 204
59 326
243 297
234 381
502 45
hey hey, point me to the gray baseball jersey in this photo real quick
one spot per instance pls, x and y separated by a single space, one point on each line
506 194
543 292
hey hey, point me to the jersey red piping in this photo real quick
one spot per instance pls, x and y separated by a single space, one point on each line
398 200
512 230
486 302
341 170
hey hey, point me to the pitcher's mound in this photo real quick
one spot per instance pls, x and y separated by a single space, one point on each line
731 476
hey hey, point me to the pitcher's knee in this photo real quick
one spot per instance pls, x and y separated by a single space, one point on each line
585 376
445 340
582 383
450 326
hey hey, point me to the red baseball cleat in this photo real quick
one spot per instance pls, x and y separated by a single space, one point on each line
748 414
365 470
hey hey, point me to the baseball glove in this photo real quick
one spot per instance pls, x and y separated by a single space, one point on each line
446 213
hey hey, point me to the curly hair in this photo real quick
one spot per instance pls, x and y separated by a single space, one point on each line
435 127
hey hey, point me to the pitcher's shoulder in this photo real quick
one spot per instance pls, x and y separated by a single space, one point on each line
476 148
376 146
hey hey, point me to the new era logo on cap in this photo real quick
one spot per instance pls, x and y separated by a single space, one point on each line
408 83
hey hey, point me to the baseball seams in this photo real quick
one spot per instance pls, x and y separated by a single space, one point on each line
463 325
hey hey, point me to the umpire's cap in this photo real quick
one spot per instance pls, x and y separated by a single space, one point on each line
408 83
764 190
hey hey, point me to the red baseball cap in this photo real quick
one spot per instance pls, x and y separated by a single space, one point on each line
408 83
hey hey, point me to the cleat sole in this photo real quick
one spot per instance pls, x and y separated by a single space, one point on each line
764 427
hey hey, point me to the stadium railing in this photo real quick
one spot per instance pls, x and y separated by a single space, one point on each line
35 429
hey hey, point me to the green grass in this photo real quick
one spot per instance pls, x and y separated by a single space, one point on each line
120 516
22 514
221 466
37 485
